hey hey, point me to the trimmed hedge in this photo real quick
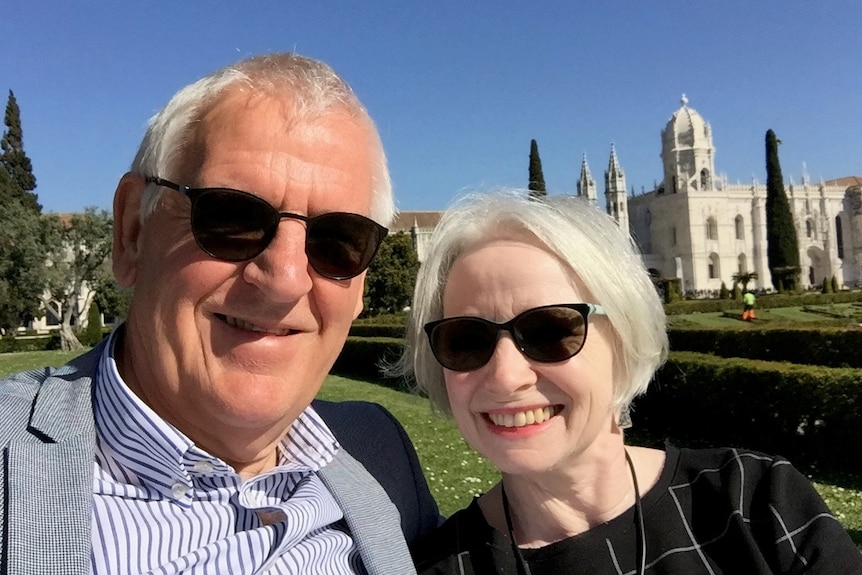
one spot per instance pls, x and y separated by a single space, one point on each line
378 330
809 414
830 347
763 302
363 357
43 343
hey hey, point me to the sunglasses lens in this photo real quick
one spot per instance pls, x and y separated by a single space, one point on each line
342 245
551 334
233 225
463 344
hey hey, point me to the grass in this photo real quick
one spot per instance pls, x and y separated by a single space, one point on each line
814 316
22 361
455 473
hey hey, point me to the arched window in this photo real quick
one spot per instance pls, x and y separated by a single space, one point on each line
809 229
739 226
714 268
711 229
673 235
839 237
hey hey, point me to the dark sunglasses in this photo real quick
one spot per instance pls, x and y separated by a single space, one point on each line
548 334
236 226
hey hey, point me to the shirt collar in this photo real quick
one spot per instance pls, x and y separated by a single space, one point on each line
160 455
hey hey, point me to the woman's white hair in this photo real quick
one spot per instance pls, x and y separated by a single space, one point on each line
590 242
309 86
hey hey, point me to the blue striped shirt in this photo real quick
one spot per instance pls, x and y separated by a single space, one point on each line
164 506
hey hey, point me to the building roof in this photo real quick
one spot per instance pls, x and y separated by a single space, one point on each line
845 182
687 129
405 221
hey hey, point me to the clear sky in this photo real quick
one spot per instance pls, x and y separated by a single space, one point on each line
457 89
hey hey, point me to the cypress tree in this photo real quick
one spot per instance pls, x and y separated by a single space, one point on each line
537 180
782 246
21 181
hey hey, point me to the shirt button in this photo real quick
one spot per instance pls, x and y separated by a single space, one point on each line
179 490
202 466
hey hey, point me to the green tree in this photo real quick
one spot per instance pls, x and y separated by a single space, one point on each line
782 245
21 181
112 299
92 334
835 287
827 285
537 179
22 263
79 252
392 276
723 293
744 278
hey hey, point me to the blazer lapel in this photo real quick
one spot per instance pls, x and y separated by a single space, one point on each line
373 519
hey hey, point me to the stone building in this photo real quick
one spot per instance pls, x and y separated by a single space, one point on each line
700 228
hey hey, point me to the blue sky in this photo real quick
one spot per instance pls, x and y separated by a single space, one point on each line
457 89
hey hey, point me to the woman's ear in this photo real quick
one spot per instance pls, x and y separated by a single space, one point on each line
127 228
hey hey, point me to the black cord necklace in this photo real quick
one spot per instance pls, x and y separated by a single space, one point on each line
523 567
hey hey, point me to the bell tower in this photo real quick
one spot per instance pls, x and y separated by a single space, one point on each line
586 183
616 199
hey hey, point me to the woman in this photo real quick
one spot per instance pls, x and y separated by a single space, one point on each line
534 325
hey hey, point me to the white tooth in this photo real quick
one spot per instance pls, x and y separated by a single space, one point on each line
539 415
242 324
522 418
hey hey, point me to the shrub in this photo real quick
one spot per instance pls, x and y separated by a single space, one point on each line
830 347
363 358
763 301
92 334
378 330
809 414
30 343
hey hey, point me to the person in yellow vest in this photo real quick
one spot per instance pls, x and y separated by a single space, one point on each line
748 306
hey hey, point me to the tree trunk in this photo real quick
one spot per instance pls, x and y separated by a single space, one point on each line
68 339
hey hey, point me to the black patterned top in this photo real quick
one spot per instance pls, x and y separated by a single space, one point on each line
712 511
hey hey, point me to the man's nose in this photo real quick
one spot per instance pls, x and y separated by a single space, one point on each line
281 271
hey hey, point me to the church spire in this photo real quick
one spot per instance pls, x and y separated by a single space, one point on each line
616 198
586 183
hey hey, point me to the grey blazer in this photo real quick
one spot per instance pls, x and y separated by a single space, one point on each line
47 434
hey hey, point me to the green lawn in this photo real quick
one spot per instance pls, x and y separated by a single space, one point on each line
455 473
814 316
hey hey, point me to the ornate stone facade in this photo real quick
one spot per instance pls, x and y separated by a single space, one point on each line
698 227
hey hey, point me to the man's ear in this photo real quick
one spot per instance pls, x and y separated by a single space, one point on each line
127 228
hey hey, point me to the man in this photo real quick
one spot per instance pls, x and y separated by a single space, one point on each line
186 442
748 306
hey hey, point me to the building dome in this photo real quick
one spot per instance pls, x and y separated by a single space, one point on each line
686 129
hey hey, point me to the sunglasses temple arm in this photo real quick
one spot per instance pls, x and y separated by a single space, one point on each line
595 309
